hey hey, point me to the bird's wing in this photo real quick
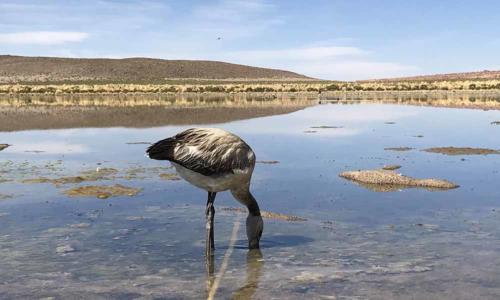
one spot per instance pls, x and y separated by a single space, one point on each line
205 151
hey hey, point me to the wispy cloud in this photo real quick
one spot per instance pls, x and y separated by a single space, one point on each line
42 37
304 53
235 19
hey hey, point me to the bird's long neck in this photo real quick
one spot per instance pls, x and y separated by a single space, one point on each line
246 198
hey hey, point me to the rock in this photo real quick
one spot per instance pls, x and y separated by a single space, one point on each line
394 180
495 123
4 146
63 249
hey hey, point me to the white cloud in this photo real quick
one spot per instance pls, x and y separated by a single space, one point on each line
42 37
325 62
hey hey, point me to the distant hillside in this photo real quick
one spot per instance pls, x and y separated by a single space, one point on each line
481 75
21 69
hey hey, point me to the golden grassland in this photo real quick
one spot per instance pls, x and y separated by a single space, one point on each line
253 87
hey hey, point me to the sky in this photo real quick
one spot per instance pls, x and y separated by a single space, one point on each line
327 39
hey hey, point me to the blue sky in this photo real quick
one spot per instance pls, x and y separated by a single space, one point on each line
336 39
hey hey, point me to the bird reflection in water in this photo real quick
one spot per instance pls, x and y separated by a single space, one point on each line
254 265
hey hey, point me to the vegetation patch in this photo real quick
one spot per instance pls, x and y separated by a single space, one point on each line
169 176
394 180
391 167
103 191
462 151
91 175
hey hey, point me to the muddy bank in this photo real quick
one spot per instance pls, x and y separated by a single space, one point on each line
462 151
391 179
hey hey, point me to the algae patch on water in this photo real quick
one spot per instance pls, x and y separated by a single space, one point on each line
462 151
268 162
398 149
102 191
268 214
169 176
386 180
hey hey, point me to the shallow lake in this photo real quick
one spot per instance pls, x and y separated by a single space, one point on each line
355 242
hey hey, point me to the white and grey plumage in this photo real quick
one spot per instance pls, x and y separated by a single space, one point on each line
214 160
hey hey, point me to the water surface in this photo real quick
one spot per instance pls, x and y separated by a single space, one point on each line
355 244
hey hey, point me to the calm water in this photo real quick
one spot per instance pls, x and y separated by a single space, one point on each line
355 244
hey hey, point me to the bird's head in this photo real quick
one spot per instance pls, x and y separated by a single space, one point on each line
255 226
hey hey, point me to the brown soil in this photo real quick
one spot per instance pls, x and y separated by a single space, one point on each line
394 180
462 151
102 192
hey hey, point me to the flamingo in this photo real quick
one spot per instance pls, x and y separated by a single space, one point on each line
214 160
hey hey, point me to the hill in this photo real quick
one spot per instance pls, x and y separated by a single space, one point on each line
480 75
22 69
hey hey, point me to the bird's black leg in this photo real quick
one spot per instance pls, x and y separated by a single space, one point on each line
210 212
